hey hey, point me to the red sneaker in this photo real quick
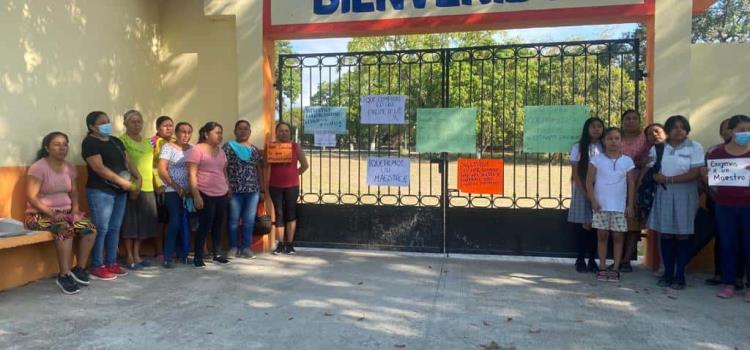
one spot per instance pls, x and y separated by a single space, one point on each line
102 273
117 270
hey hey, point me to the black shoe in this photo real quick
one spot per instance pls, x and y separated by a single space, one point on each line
185 261
67 284
678 285
289 249
592 266
80 276
626 267
713 281
199 263
279 249
738 286
220 259
581 266
664 282
168 265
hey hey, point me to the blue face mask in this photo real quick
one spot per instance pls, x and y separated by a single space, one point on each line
742 138
105 129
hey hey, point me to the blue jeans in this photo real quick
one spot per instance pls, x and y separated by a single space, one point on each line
242 206
178 226
734 234
107 211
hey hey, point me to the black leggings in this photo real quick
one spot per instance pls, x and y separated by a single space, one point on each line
211 218
284 204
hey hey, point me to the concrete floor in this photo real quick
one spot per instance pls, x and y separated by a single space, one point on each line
355 300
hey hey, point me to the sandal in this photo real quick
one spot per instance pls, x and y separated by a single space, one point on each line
613 276
602 276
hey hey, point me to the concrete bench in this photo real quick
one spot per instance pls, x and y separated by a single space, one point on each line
27 258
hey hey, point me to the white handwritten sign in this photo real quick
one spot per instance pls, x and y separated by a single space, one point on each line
383 109
325 140
388 171
729 172
330 120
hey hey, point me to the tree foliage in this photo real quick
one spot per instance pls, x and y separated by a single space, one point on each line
727 21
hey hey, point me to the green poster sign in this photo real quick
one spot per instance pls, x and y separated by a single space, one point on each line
553 129
451 130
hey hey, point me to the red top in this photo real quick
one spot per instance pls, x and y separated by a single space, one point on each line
284 175
730 196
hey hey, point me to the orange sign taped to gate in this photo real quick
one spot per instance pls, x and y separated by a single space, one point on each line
279 152
482 176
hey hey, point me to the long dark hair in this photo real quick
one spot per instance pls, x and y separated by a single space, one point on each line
43 152
203 132
91 120
584 144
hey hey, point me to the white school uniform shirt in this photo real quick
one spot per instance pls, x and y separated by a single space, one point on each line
594 150
679 160
611 183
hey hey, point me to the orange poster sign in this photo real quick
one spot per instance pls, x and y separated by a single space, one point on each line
483 176
279 152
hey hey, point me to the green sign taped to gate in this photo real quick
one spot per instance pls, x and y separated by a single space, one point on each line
553 129
451 130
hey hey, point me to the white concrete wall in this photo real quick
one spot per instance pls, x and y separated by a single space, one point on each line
719 87
62 59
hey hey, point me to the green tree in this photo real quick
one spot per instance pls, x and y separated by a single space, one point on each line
727 21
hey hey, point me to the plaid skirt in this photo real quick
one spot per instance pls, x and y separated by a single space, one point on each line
674 209
63 229
580 211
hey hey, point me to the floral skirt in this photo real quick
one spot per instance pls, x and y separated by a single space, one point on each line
64 229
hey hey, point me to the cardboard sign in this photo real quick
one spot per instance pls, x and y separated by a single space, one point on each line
279 152
383 109
328 120
325 140
450 130
483 176
730 172
388 171
553 129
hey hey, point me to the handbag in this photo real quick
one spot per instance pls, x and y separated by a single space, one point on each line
262 219
647 190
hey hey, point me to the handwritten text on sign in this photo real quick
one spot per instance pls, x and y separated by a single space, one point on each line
552 129
331 120
483 176
279 152
388 171
729 172
383 109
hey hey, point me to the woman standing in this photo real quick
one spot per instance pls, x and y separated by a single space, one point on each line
141 219
164 135
676 203
52 195
110 177
173 172
284 189
580 213
733 208
208 185
245 183
634 145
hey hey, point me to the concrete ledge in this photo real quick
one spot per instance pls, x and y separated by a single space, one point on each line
26 239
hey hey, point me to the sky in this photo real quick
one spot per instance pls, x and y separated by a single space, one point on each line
526 35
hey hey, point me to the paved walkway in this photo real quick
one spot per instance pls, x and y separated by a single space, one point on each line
354 300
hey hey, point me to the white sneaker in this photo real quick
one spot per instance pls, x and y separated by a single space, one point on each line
232 253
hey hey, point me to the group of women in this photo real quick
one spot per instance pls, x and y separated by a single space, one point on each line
137 184
627 180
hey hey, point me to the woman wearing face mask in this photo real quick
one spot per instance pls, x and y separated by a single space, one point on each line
733 207
110 177
141 219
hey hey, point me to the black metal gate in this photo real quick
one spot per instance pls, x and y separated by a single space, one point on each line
339 209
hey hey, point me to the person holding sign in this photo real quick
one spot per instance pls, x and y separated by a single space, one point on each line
676 201
580 213
209 187
610 185
245 182
284 189
733 203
